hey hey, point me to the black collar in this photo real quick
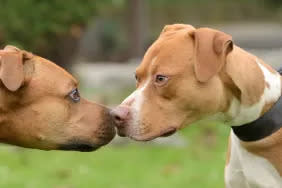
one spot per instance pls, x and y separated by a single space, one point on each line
264 126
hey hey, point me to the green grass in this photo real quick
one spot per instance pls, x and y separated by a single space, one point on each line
200 164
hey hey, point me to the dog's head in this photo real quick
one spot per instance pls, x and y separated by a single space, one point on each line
40 106
177 82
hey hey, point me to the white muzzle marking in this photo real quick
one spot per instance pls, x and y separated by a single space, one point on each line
135 102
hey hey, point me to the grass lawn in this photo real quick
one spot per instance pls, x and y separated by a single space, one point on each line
200 164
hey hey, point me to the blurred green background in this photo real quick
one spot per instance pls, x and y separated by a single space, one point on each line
101 42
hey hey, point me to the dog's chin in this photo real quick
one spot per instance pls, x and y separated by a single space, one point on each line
77 144
83 146
149 137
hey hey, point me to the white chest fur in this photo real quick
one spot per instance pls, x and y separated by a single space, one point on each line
246 170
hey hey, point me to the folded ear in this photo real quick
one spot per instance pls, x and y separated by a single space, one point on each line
176 27
11 68
211 49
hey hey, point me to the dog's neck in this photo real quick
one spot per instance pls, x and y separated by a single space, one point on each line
264 126
252 118
236 112
4 129
7 106
240 114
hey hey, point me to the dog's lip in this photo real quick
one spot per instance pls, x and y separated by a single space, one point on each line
83 145
165 133
168 132
79 147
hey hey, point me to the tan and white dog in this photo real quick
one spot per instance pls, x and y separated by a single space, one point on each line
192 74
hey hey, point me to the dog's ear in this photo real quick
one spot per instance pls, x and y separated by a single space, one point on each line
211 49
11 68
176 27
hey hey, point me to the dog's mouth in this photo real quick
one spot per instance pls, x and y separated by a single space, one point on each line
76 146
165 133
168 132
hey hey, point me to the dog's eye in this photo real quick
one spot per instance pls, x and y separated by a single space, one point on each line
74 95
161 79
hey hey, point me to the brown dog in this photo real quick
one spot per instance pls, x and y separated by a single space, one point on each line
40 106
189 75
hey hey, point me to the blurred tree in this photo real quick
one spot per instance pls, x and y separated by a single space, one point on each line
137 27
49 28
52 28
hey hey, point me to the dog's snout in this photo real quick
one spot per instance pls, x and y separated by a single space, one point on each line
120 114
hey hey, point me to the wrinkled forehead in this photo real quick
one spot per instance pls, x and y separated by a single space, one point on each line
52 76
170 53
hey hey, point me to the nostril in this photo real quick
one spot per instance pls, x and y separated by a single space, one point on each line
120 114
117 118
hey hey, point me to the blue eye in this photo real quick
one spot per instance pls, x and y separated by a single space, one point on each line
74 95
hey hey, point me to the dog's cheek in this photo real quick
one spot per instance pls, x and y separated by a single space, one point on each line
53 115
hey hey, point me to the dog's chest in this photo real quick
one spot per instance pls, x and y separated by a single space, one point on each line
246 170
